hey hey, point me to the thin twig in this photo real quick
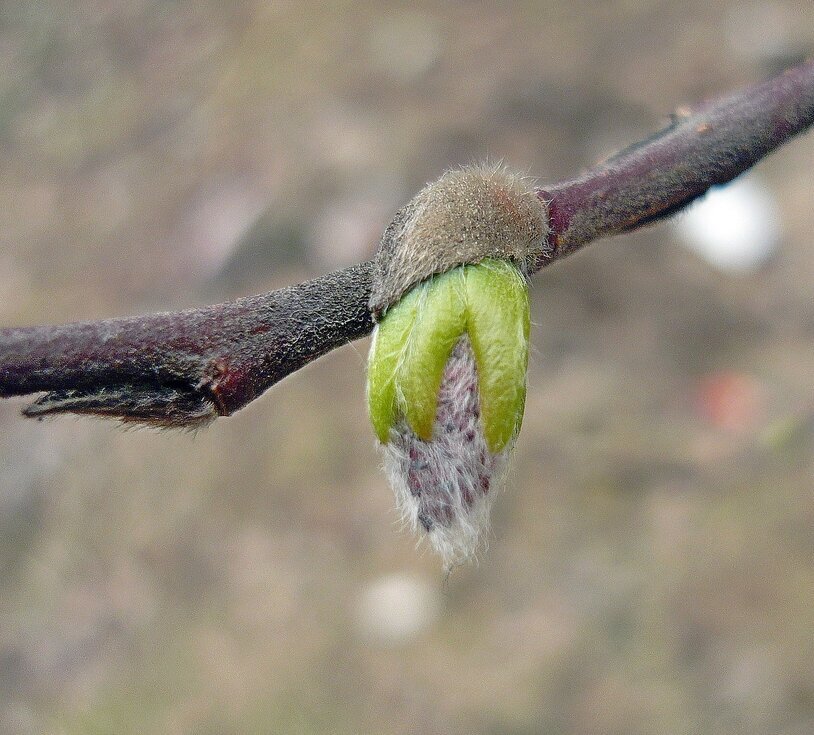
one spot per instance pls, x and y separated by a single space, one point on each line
185 368
703 146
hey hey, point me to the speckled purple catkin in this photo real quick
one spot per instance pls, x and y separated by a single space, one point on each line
447 485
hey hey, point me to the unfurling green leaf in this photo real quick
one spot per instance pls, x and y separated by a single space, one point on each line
412 344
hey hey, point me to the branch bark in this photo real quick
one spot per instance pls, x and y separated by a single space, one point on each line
703 146
186 368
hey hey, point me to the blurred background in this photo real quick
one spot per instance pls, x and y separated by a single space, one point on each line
651 562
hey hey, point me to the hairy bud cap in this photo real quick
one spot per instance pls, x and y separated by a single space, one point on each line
467 215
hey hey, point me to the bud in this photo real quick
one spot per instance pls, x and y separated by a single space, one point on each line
446 391
447 367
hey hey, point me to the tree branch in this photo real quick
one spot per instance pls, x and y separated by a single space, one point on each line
703 146
186 368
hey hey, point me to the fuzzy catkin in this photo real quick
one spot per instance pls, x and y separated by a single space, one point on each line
446 486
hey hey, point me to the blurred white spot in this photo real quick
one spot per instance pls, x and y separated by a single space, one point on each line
396 608
735 228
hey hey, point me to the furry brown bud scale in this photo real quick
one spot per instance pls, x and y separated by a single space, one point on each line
467 215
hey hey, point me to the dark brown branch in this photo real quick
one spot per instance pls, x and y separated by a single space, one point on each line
182 369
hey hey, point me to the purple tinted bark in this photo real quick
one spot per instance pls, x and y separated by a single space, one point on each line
185 367
182 369
707 145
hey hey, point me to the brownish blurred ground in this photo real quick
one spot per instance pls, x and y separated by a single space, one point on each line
651 565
